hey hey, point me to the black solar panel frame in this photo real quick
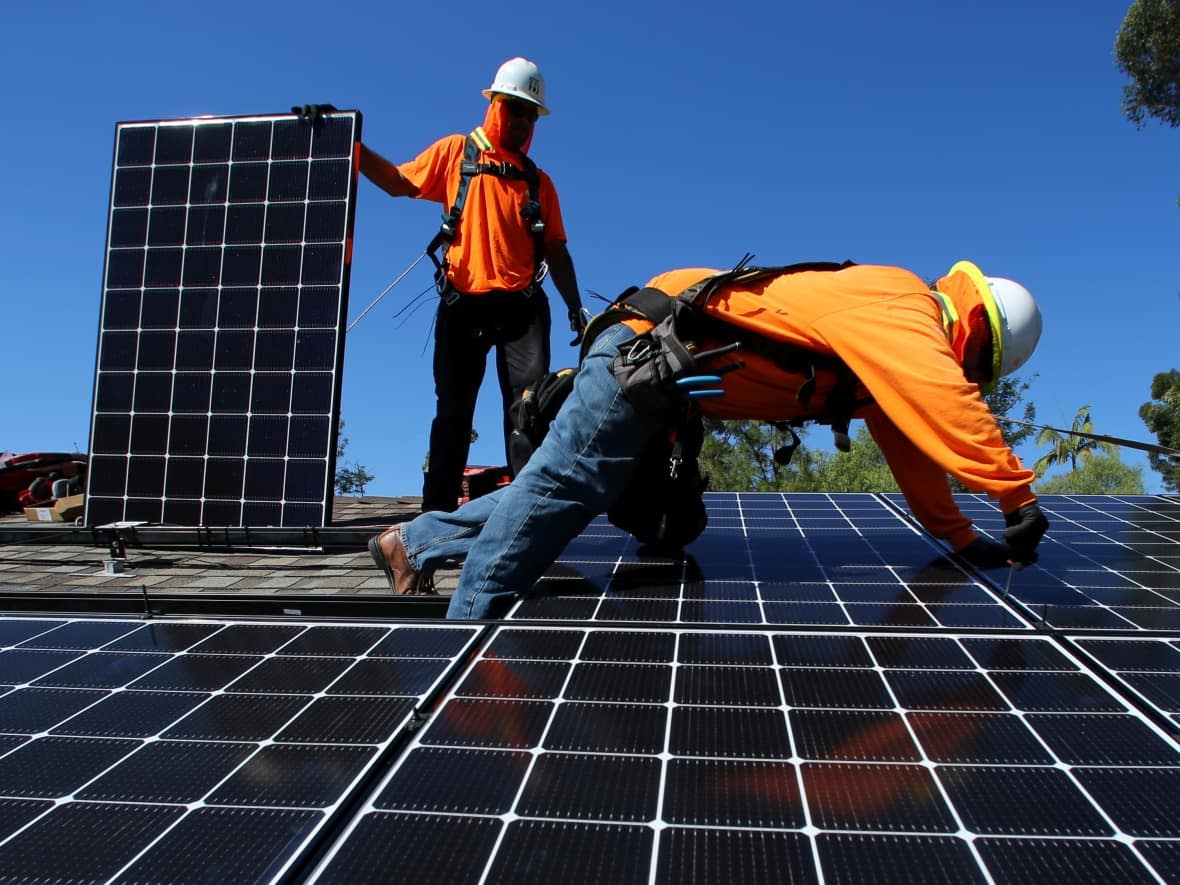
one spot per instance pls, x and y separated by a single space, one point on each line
155 456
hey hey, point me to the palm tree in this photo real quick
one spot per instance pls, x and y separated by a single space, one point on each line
1069 449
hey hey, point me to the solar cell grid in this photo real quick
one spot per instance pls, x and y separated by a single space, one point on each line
846 747
1108 563
198 750
220 341
818 694
773 559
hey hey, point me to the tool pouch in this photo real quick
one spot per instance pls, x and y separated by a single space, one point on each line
649 365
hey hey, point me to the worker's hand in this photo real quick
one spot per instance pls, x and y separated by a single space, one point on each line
579 317
697 386
313 113
1025 528
984 553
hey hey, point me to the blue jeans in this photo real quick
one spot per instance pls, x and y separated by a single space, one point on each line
509 537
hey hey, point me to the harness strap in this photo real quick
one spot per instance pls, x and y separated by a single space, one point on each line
469 167
654 305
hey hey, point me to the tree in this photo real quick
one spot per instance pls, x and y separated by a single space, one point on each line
1069 449
739 455
1162 417
351 478
1098 475
861 469
1147 49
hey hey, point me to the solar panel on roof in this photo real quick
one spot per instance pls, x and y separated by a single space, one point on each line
854 756
216 398
1108 562
195 751
785 559
663 726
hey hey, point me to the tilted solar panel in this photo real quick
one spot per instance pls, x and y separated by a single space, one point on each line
216 397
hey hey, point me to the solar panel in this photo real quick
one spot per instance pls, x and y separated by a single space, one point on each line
1108 562
784 559
216 397
1147 667
819 693
762 756
196 750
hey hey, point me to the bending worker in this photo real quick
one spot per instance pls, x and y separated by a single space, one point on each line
819 342
502 230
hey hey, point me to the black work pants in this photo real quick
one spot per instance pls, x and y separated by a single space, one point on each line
517 325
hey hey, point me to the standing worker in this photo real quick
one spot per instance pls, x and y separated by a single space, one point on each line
806 342
502 232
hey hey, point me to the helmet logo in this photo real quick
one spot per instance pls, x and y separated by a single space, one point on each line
534 87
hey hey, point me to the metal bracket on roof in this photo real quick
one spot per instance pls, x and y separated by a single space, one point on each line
116 535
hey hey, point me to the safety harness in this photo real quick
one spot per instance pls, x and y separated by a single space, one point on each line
655 306
470 166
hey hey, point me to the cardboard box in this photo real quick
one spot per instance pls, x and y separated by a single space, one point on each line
62 510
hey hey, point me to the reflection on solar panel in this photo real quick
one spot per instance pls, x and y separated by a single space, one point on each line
791 560
561 755
195 751
216 397
1108 563
820 694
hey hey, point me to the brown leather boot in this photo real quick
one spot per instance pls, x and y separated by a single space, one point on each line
389 553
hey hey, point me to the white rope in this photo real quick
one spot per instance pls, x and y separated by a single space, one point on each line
385 292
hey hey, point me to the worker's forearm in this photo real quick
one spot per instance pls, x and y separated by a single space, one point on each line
384 174
561 271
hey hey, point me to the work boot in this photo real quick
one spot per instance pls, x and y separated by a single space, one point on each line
389 553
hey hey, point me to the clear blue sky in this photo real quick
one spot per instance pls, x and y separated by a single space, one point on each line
911 133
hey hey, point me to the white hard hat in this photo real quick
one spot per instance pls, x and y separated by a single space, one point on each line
522 79
1012 308
1013 316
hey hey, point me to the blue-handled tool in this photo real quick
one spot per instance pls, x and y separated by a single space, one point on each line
690 386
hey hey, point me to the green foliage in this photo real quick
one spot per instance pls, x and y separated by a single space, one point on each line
1069 449
351 478
862 469
1147 49
739 456
1098 475
1162 417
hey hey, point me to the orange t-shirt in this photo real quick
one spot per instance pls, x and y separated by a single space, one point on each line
493 248
884 324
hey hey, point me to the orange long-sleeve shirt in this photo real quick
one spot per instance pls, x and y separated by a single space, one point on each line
493 248
885 325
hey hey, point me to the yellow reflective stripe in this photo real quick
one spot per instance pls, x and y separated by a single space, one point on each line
993 315
481 139
950 316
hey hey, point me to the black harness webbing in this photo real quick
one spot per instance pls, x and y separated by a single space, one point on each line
530 211
655 306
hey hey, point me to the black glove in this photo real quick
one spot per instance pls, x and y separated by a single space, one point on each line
578 323
984 553
1025 528
313 112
